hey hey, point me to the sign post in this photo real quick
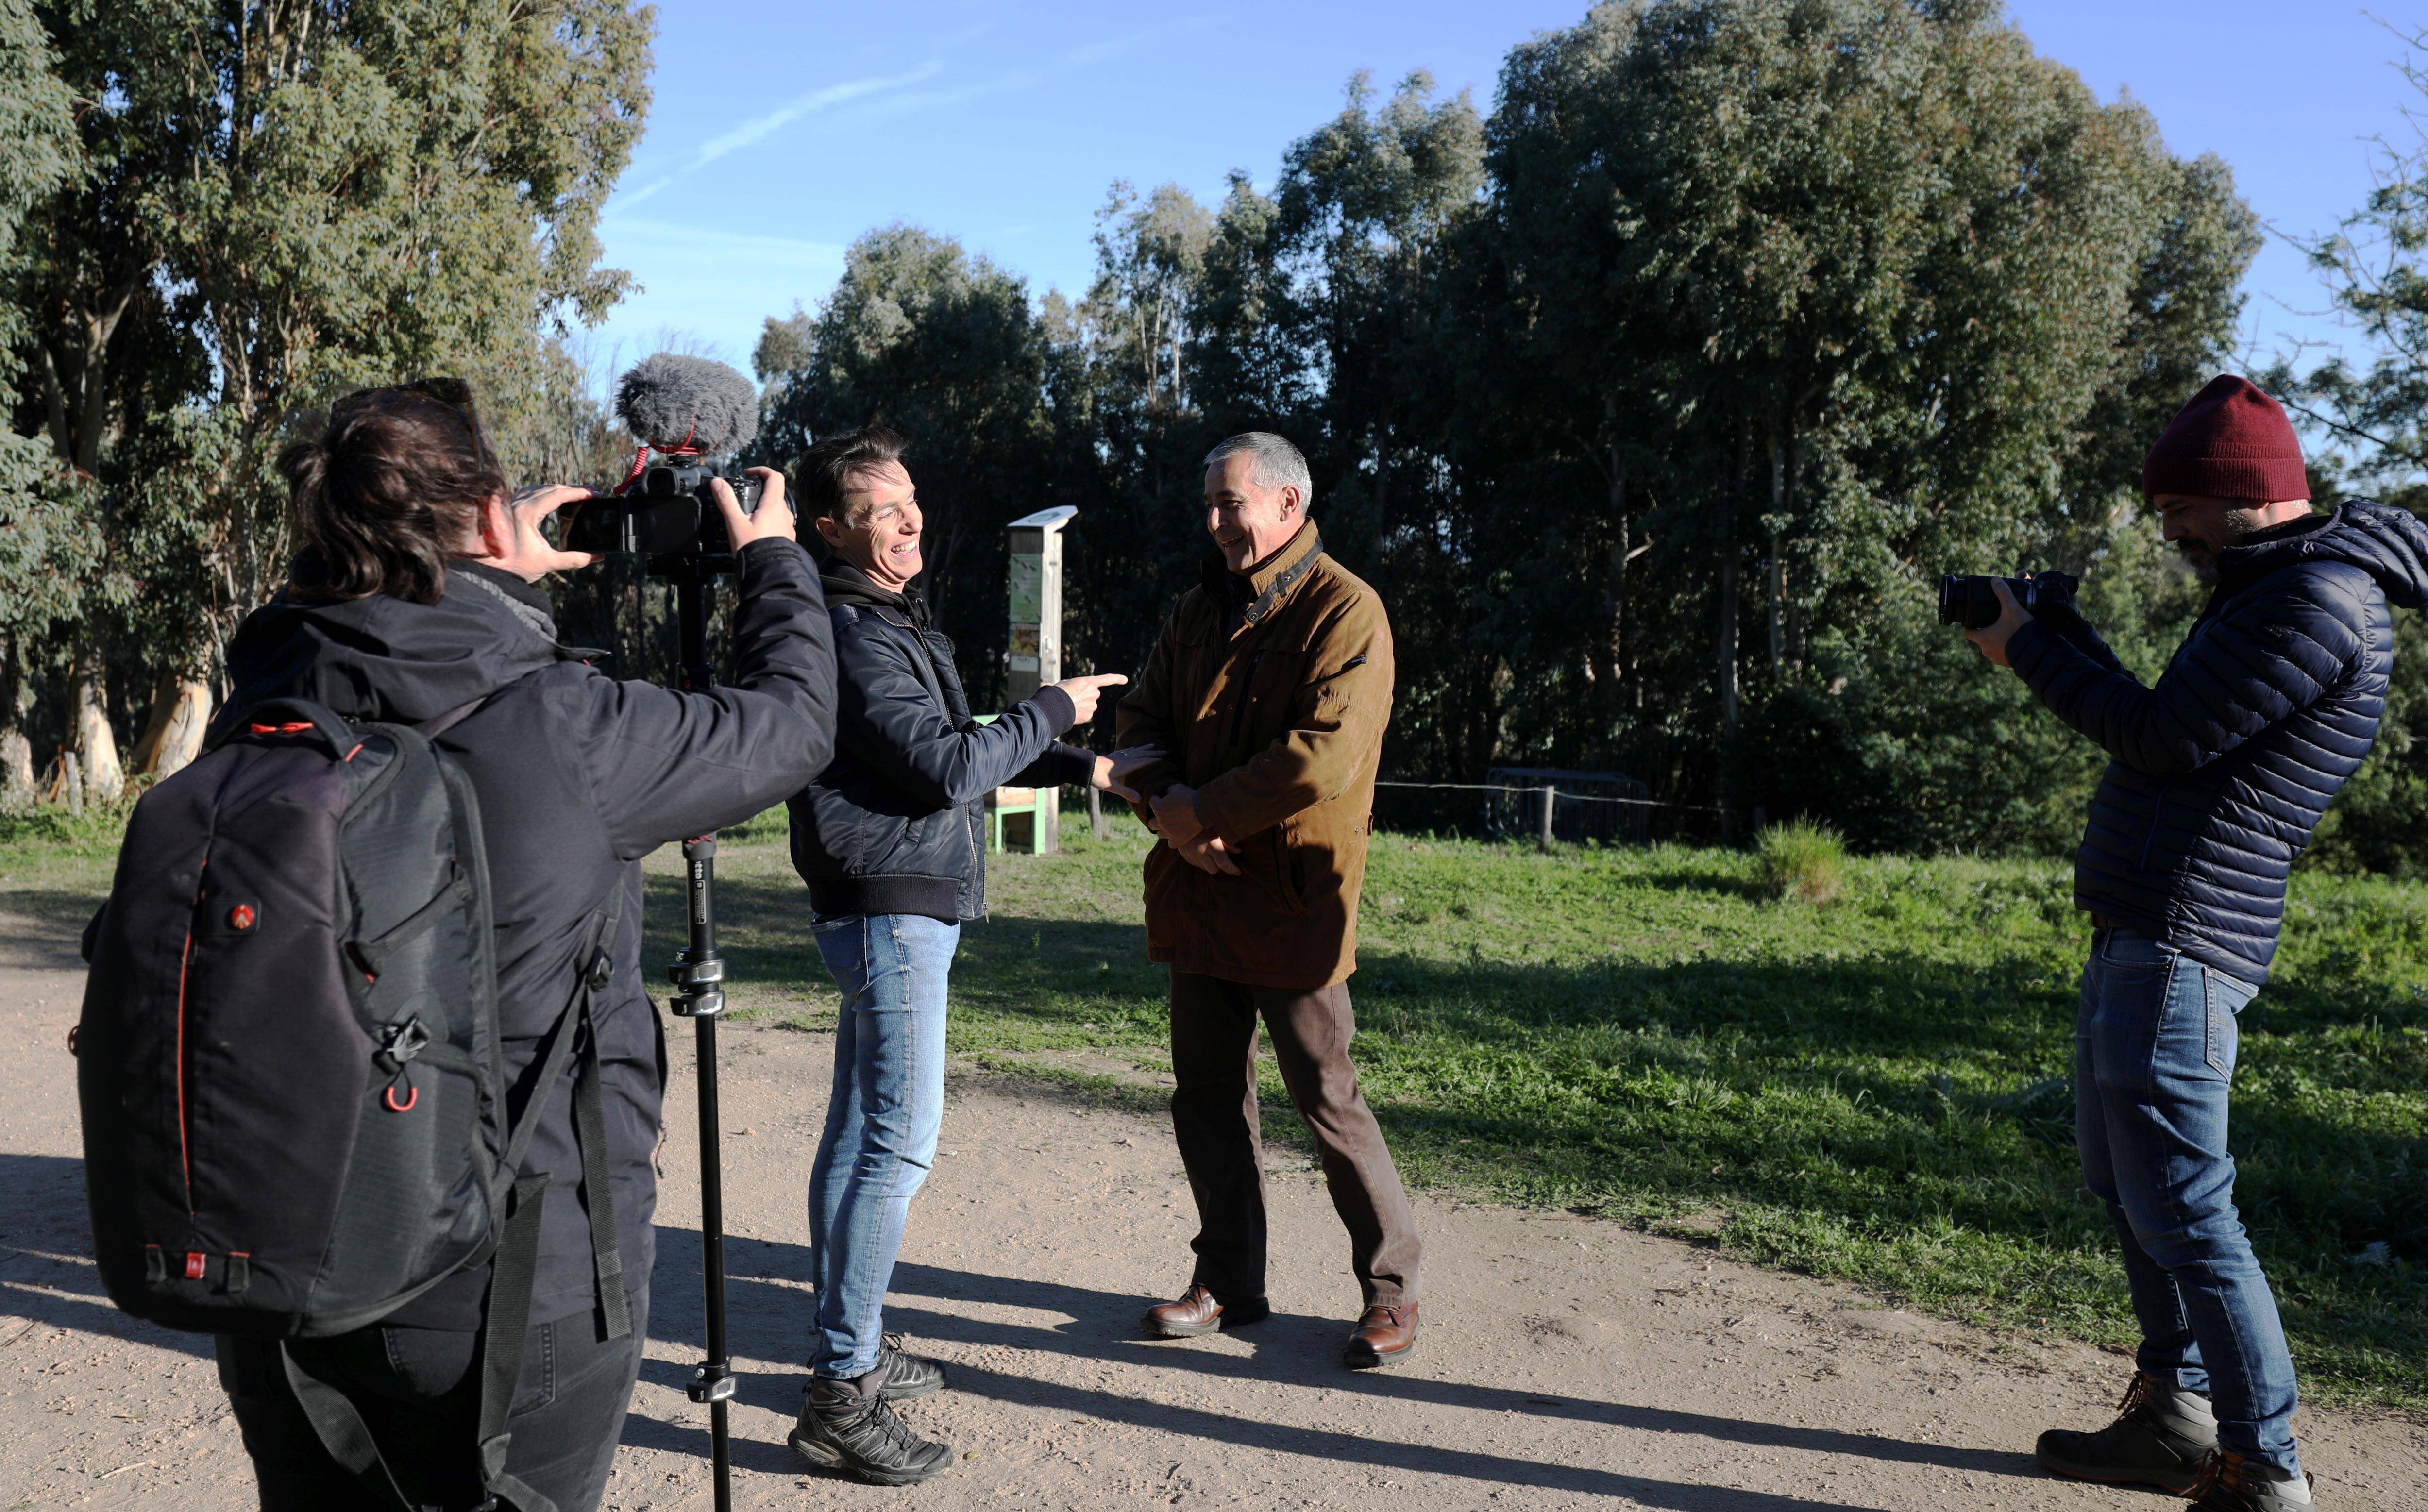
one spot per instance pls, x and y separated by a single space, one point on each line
1035 656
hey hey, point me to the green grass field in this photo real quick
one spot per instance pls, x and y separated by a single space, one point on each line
1872 1090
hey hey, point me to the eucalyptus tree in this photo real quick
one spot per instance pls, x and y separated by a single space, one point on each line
42 551
1841 283
285 199
1361 204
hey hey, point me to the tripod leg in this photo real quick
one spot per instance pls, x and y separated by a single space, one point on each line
699 972
717 1371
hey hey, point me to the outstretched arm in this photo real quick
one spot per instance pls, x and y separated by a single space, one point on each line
2274 655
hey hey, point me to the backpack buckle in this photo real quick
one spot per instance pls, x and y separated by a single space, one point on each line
401 1042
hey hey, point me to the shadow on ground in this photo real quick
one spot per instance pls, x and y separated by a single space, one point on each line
770 1309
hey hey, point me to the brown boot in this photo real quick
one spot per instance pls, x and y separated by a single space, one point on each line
1384 1337
1199 1311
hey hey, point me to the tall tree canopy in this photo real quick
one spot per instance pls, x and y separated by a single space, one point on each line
1654 403
281 200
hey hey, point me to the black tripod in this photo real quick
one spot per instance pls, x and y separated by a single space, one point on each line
698 976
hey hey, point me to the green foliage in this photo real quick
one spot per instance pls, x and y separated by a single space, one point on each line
1653 405
1877 1090
285 199
1802 860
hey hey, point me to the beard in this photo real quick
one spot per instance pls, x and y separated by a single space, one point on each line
2200 558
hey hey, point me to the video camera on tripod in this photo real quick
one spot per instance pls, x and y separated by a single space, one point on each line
693 414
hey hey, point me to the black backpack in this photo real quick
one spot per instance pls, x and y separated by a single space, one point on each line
294 1102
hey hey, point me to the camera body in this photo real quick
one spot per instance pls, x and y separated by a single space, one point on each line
670 511
1972 602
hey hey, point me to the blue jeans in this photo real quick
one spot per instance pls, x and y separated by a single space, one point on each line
2154 1055
882 1118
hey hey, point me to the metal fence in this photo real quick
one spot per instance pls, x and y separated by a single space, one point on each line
1546 805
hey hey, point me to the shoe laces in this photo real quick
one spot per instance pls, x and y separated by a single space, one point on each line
2224 1469
882 1420
2137 1396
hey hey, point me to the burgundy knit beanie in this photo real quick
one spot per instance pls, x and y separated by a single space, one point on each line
2231 441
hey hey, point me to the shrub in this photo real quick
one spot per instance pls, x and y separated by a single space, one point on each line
1804 859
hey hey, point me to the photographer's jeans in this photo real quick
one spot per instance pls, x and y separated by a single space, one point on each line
882 1119
2154 1051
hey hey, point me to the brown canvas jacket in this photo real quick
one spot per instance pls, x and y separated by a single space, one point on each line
1276 714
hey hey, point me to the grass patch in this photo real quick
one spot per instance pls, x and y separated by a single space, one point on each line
1804 860
1877 1090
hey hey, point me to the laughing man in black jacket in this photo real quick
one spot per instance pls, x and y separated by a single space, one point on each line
891 839
2219 775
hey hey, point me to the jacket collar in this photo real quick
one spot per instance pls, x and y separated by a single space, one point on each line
1266 584
845 583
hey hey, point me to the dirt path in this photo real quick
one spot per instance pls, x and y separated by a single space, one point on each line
1564 1363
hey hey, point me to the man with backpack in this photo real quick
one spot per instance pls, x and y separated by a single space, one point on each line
384 939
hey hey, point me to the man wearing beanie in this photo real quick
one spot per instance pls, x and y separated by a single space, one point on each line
2218 776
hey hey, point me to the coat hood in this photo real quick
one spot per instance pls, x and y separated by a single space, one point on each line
2388 544
387 658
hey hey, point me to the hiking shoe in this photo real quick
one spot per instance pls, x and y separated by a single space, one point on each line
1199 1311
2161 1436
904 1376
862 1436
2229 1483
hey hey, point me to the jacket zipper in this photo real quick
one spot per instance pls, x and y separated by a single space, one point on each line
184 1136
1247 684
1346 667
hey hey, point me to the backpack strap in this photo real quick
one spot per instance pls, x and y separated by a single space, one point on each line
334 1418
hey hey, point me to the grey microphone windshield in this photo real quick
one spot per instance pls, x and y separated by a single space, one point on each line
673 401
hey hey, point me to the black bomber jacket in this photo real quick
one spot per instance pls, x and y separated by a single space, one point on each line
896 822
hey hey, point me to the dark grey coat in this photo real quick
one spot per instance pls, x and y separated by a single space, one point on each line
578 777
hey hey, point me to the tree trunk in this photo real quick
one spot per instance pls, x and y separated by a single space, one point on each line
16 770
1608 651
1725 669
95 746
181 707
1777 563
1794 502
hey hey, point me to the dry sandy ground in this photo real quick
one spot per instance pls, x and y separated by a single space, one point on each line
1564 1363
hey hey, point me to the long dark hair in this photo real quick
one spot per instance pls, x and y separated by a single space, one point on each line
389 493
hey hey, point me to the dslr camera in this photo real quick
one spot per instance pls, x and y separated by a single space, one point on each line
693 414
669 512
1972 602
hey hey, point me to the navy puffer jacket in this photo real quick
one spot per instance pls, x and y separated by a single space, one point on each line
2220 771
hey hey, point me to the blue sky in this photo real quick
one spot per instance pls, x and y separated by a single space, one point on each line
781 132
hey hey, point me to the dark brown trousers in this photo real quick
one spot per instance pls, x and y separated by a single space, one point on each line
1214 1117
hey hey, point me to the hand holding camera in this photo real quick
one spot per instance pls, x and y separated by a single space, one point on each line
1993 609
511 539
743 526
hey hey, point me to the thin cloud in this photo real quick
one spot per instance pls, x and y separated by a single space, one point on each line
699 244
644 192
833 94
940 99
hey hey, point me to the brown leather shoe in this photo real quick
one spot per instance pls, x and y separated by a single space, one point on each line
1384 1337
1199 1311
